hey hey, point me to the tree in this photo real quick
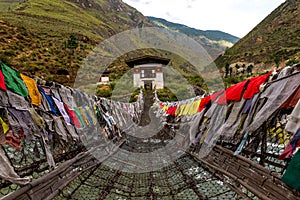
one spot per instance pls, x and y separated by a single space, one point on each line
226 70
237 69
230 71
243 68
277 61
249 69
72 42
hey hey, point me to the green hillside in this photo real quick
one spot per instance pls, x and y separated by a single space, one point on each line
215 42
50 38
274 40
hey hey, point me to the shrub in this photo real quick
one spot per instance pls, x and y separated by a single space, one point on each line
292 62
104 93
5 59
166 95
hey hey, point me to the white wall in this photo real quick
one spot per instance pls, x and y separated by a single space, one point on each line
158 81
137 81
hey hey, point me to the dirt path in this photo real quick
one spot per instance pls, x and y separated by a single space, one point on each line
149 99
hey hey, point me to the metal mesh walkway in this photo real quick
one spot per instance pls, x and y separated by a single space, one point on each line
184 179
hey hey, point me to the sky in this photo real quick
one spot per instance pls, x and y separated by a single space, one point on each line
236 17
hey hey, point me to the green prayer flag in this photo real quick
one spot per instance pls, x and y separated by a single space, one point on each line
292 174
76 110
13 80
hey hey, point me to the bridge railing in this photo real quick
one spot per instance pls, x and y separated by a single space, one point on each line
47 125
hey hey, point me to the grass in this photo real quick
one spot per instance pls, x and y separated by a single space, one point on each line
7 5
34 34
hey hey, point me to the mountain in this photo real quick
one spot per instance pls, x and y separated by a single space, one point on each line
50 38
215 42
272 41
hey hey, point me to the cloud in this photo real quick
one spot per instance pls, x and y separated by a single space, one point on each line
236 17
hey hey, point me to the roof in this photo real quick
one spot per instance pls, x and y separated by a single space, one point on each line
103 73
147 59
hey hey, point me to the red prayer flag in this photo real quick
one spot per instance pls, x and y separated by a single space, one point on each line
254 84
233 93
2 82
